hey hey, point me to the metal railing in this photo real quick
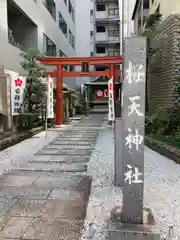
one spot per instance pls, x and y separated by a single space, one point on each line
113 12
113 33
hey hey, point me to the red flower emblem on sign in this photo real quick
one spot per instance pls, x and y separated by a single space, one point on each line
99 93
18 82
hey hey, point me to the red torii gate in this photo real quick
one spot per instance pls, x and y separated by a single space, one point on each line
111 62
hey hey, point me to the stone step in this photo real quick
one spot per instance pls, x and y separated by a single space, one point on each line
41 167
59 159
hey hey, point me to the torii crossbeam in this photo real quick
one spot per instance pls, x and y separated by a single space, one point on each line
111 71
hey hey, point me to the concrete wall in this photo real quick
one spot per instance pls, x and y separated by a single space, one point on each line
164 65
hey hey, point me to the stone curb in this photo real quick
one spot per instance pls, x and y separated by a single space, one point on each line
19 137
163 149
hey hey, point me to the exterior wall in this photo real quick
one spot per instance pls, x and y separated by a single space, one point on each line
128 23
40 16
166 7
164 66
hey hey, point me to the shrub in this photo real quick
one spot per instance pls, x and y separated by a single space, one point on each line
79 109
160 121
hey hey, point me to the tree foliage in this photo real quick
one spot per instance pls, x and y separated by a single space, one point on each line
35 90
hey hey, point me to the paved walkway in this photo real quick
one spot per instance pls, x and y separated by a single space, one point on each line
45 196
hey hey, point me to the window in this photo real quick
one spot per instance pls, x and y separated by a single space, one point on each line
51 7
61 53
62 24
71 39
91 12
100 68
49 46
113 53
71 10
91 54
71 68
91 33
100 49
65 1
100 7
100 29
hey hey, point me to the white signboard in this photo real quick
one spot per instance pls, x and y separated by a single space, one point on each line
50 109
111 100
17 93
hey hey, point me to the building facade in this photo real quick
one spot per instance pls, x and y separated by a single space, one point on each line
47 25
140 13
105 28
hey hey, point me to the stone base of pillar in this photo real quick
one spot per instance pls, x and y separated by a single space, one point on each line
58 126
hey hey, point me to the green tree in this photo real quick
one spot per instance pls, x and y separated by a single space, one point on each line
35 90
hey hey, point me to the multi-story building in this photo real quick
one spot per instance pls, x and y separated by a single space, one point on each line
140 13
47 25
105 28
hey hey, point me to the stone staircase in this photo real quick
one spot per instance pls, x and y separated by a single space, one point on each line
99 110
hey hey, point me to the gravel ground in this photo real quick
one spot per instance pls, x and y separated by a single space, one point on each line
161 193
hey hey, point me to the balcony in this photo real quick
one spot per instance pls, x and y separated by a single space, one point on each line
110 16
22 33
108 37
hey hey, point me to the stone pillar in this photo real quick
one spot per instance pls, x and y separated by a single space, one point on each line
133 129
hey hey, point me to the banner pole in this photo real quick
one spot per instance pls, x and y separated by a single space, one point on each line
46 117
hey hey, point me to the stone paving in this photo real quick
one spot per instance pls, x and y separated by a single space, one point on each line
45 196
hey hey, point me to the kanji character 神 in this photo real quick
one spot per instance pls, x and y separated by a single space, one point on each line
136 139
